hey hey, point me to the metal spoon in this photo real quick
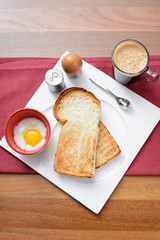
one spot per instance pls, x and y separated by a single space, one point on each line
121 101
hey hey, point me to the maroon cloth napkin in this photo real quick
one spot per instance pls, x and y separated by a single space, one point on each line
21 77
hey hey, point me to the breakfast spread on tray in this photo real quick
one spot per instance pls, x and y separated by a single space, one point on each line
84 142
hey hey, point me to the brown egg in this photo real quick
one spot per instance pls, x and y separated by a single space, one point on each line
72 64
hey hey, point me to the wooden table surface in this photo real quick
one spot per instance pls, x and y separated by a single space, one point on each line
30 206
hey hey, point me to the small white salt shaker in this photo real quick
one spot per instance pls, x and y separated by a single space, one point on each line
55 80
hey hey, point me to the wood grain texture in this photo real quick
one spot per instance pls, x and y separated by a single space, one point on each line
80 19
89 28
30 206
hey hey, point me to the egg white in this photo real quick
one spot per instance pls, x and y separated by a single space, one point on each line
23 126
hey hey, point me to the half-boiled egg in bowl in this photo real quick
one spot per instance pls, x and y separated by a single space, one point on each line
30 133
27 131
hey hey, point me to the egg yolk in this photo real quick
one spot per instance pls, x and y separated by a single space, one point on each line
32 137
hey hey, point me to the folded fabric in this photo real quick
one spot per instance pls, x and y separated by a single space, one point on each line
21 77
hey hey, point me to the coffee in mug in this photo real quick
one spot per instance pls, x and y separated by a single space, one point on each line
130 58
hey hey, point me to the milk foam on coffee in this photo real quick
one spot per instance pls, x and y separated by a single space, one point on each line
130 57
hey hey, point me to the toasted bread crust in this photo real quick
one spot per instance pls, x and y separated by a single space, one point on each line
105 141
63 164
111 150
76 149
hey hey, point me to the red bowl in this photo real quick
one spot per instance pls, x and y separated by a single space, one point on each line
15 118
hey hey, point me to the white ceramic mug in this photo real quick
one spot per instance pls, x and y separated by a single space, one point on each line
130 58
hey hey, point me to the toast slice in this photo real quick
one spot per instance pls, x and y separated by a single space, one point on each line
78 111
107 148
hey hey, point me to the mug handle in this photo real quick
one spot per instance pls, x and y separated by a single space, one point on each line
150 75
